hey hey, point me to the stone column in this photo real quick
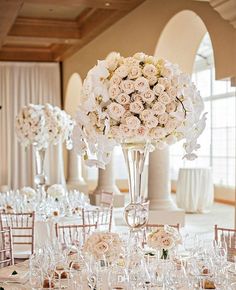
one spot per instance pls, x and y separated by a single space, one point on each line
106 182
75 177
163 210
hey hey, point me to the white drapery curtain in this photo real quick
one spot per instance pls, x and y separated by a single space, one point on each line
21 84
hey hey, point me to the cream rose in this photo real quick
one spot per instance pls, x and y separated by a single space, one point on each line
163 119
112 60
115 80
171 107
164 98
114 91
152 80
122 71
171 125
166 72
158 133
142 131
149 70
136 97
136 107
123 99
115 110
159 108
135 72
126 131
148 96
146 114
101 248
127 86
152 122
141 84
158 89
133 122
165 82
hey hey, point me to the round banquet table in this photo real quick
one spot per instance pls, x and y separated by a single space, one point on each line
195 191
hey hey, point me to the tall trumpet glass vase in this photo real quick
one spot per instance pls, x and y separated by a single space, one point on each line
136 212
40 178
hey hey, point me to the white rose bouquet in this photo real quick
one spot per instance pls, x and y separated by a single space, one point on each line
43 125
29 192
103 244
164 239
137 99
56 191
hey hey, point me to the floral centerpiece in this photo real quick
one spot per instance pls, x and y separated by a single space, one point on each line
142 103
103 244
56 191
164 239
40 126
28 191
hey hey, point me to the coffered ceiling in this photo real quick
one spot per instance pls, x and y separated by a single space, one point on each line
51 30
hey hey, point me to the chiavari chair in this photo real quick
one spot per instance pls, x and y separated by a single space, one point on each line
69 234
22 226
106 199
229 237
101 216
152 227
6 248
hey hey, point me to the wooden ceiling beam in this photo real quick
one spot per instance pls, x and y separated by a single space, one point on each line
45 28
106 4
8 13
25 54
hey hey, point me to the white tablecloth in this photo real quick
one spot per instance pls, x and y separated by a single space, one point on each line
195 192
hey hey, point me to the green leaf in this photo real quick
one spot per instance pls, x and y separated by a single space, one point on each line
14 272
1 288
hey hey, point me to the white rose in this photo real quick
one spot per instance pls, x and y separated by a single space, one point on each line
112 60
56 190
114 132
159 108
152 80
130 61
167 243
28 191
115 110
133 122
152 122
123 99
164 98
172 92
115 80
140 56
141 84
142 131
171 107
165 82
166 71
158 89
158 133
146 114
100 248
125 130
149 70
171 125
136 97
163 119
136 107
127 86
135 72
148 96
114 91
122 71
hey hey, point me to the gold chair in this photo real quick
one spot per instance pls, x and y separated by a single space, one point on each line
69 234
229 237
101 216
6 248
22 226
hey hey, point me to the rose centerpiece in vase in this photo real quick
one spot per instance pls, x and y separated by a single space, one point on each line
164 239
140 103
41 126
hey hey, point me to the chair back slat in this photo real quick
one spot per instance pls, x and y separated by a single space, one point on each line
229 237
22 226
101 216
69 234
6 248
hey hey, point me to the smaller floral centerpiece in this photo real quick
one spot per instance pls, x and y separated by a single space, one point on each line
28 191
164 239
56 191
103 245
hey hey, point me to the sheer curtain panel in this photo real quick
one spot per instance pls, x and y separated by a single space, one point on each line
21 84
